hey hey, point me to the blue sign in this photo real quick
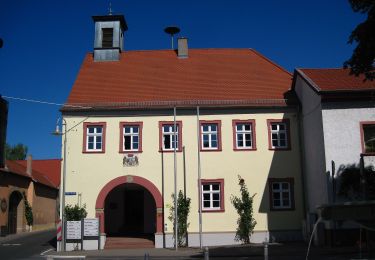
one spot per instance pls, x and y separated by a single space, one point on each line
69 193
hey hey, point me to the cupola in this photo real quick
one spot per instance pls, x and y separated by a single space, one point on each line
109 37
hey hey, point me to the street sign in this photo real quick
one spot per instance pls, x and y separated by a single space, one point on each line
73 230
91 227
70 193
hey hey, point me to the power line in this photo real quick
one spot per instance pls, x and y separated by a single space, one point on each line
43 102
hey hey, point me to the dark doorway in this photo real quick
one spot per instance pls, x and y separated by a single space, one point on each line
133 214
130 211
15 213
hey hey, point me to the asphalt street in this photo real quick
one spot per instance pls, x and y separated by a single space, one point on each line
30 246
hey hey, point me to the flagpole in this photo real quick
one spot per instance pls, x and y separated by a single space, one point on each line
199 181
175 179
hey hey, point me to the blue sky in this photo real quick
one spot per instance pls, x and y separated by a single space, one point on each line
45 42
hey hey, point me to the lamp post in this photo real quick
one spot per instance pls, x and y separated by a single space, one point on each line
57 132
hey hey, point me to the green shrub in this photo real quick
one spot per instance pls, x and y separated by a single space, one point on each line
183 209
75 213
28 211
244 207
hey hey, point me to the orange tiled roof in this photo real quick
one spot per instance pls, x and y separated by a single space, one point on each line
336 79
19 167
160 76
50 168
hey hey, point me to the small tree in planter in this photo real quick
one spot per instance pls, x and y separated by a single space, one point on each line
244 207
75 213
183 209
28 212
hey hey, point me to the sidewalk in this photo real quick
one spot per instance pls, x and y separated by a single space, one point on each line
254 251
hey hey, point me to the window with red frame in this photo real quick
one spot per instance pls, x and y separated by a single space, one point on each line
212 195
94 137
368 135
169 138
278 134
131 137
210 136
281 193
244 135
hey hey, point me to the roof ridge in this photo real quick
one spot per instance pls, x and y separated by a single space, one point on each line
270 61
308 80
322 68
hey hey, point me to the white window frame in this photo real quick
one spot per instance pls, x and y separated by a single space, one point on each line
278 133
210 133
132 134
172 135
243 133
95 136
211 192
280 191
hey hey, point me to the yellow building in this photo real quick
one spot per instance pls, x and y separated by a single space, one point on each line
235 116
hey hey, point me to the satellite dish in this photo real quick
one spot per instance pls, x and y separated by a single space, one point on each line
172 30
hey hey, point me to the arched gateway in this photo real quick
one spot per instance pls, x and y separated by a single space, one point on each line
129 205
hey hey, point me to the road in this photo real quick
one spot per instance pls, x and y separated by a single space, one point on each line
28 246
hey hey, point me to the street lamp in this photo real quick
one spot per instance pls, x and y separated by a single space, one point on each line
57 132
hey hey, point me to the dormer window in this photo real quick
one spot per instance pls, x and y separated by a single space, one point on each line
107 40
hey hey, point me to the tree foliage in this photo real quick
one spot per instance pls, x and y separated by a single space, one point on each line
75 213
363 57
244 208
350 179
183 209
16 152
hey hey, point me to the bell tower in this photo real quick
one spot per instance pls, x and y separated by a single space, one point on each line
109 37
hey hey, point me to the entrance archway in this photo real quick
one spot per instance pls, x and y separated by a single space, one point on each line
136 189
130 211
15 212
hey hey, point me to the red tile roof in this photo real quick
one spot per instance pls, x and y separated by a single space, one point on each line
46 172
336 79
50 168
160 76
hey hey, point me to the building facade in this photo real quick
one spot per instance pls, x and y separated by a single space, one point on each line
337 120
20 183
234 117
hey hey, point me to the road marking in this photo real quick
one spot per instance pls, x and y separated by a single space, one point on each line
46 251
10 244
65 256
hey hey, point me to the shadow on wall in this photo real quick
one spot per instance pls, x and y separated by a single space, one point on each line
282 198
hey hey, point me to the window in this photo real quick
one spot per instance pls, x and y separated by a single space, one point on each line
281 194
107 40
131 137
243 135
94 137
278 134
212 195
210 135
167 140
368 137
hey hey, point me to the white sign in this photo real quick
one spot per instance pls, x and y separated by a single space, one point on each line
91 227
73 230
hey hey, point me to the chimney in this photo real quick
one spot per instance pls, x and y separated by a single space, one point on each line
29 168
182 48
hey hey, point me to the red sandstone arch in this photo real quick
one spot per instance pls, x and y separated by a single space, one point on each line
99 206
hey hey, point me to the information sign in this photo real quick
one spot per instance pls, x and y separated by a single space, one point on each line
91 227
73 230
